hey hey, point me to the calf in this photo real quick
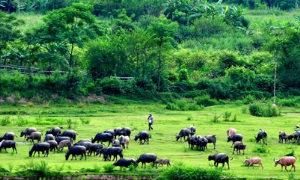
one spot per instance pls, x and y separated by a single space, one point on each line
163 161
286 161
219 158
238 146
64 143
231 131
252 161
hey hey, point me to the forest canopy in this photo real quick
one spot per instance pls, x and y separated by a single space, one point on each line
149 49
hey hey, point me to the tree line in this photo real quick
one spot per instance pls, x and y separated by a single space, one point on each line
188 47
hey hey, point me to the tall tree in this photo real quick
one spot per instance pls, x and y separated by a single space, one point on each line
163 32
66 29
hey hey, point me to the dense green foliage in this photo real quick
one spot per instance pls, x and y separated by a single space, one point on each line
191 49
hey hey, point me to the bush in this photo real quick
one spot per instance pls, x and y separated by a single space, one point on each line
263 110
108 168
5 121
206 100
261 149
190 173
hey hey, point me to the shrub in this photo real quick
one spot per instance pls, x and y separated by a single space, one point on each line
263 110
172 106
261 149
84 121
190 173
226 116
5 121
108 168
205 100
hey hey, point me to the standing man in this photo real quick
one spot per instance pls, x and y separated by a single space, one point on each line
150 122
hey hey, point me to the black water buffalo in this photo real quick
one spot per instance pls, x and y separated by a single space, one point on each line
94 149
34 136
125 131
193 130
53 145
101 151
40 147
186 132
8 144
86 144
116 143
219 158
49 137
125 162
147 158
202 143
211 139
27 132
282 136
70 133
54 131
234 138
192 141
142 136
58 139
113 151
8 136
262 137
117 131
103 137
76 150
111 131
238 146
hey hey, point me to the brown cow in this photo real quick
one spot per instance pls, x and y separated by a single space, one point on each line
252 161
286 161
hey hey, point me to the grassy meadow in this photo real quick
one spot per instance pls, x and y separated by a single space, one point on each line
167 124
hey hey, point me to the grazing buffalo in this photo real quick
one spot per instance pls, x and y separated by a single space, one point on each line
113 151
111 131
252 161
125 131
211 139
94 149
64 143
49 137
40 147
86 143
192 141
162 162
117 131
193 130
27 132
202 143
103 137
234 138
101 151
8 144
54 131
69 133
76 150
238 146
124 140
286 161
61 138
186 132
142 136
231 131
147 158
116 143
8 136
219 158
262 137
34 136
282 137
53 145
125 162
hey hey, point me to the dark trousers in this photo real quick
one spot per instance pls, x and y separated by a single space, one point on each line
150 126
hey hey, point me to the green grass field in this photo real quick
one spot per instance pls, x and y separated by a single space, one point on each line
167 125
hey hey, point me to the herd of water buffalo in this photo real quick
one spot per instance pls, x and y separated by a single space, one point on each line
55 140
